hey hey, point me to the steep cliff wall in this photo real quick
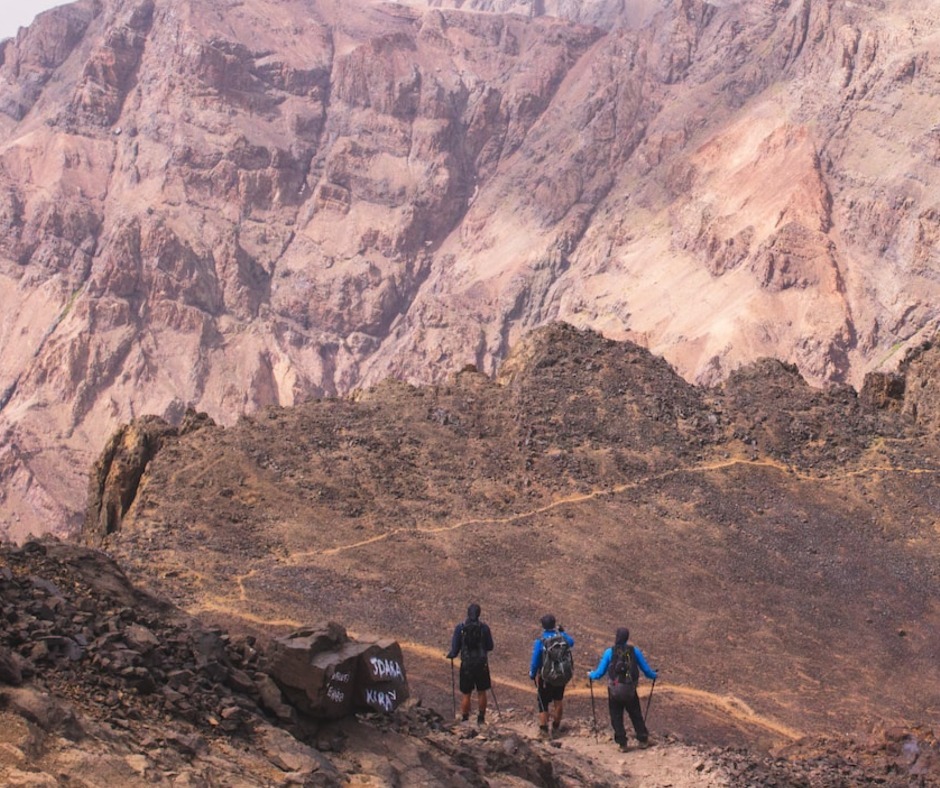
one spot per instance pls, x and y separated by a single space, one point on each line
225 206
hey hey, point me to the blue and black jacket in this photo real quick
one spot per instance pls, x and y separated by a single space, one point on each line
607 656
538 647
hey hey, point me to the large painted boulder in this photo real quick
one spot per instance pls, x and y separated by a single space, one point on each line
326 674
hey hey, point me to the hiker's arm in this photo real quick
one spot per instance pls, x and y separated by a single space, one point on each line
602 666
536 655
455 642
487 638
568 638
641 661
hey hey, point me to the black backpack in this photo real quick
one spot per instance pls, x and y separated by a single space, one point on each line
623 675
472 651
557 661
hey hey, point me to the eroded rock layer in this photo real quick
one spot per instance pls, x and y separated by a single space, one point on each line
226 207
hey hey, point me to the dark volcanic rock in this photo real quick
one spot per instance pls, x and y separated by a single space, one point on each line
755 521
327 675
154 696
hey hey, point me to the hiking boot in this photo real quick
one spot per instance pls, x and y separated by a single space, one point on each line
556 726
464 717
481 719
644 744
543 731
624 747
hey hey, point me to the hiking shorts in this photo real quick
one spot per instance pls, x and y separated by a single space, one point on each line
474 677
548 694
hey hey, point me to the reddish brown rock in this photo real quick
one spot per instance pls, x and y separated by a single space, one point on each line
326 675
314 196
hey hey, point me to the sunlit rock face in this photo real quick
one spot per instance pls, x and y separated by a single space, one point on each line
224 206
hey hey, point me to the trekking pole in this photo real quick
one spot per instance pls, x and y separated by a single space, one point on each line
453 688
495 699
593 710
648 699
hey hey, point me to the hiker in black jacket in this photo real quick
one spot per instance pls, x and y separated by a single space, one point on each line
473 641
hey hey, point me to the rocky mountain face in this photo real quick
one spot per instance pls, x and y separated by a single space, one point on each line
772 546
225 206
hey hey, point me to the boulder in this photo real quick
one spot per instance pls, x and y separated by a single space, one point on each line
11 667
325 675
382 684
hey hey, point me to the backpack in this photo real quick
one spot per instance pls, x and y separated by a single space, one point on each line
472 652
623 675
557 661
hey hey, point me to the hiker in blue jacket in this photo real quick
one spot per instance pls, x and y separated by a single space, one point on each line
622 663
549 693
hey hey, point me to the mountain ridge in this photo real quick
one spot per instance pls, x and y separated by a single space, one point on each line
224 208
763 524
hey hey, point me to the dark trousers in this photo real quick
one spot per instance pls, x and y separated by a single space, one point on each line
632 707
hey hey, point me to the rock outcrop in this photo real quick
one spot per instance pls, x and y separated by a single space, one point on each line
117 685
328 675
227 208
117 472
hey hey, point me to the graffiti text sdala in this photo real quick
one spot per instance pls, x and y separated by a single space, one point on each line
386 668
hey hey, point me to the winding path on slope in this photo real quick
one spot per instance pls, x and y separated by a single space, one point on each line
295 559
727 705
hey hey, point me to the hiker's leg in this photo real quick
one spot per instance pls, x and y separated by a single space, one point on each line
543 702
559 710
466 690
636 717
615 708
484 682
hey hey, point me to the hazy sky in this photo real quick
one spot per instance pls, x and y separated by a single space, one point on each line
15 14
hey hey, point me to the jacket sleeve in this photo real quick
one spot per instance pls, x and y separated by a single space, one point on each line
536 658
602 666
641 662
455 642
569 639
487 638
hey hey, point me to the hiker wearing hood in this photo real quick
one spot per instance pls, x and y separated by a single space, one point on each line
473 641
622 663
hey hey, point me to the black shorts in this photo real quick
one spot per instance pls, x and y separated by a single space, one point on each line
476 677
548 693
